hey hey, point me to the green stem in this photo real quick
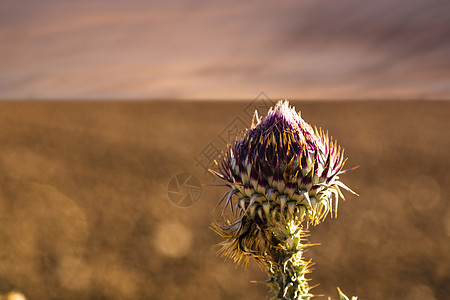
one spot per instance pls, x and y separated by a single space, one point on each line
285 263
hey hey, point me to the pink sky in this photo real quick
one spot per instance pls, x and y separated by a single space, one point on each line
109 49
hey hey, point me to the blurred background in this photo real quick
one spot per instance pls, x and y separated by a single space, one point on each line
193 49
110 199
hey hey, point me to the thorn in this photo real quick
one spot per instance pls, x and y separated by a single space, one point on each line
274 213
260 212
348 170
252 210
242 204
291 206
266 207
217 174
305 195
283 199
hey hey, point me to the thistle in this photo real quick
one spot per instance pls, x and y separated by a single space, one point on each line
282 175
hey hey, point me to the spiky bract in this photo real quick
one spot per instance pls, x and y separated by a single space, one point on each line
281 167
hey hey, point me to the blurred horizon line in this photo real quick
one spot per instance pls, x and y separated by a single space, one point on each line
5 100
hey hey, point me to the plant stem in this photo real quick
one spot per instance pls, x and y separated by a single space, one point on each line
285 263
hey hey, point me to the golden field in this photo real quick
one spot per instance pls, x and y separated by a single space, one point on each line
85 211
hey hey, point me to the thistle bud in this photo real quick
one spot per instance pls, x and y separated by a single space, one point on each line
281 173
284 167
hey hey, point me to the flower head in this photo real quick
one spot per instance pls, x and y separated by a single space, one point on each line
282 167
280 170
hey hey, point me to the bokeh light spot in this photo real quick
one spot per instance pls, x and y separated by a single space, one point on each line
424 192
173 239
14 296
421 292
